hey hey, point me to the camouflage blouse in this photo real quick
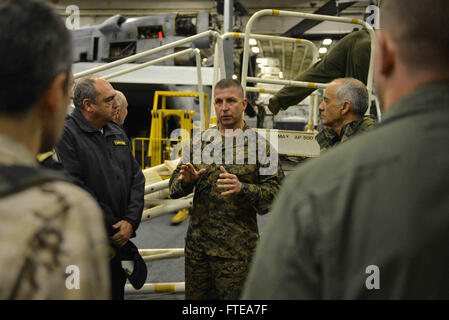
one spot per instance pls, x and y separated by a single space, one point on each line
226 226
328 138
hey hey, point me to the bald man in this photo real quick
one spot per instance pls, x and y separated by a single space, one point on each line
122 111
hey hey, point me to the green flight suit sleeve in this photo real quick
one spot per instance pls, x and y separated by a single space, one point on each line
289 245
349 58
263 193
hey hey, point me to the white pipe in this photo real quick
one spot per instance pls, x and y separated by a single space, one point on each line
261 90
149 252
219 73
146 64
200 90
178 287
166 209
147 53
311 85
222 63
315 111
212 115
159 254
162 166
157 186
313 97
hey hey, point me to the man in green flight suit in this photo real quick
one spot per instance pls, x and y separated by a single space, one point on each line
349 58
342 112
229 192
369 219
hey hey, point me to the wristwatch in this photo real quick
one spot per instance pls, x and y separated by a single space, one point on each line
244 189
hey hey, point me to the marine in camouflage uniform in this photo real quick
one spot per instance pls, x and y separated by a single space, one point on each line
44 229
223 232
328 138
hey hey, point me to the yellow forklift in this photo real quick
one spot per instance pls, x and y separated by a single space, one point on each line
159 144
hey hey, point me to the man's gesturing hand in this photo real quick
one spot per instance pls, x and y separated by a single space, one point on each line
189 175
228 182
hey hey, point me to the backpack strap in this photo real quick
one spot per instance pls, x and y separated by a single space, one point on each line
17 178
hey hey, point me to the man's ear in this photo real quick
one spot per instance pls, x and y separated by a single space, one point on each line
385 53
345 108
245 103
87 105
53 96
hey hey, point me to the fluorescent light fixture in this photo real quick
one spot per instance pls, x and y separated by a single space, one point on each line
322 50
262 61
255 49
327 42
281 75
234 77
252 42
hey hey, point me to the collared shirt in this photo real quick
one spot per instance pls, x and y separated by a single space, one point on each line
369 219
226 226
48 233
328 138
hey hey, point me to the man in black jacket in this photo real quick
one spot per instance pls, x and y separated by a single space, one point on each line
96 151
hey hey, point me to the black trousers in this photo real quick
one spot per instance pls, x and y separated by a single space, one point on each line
118 279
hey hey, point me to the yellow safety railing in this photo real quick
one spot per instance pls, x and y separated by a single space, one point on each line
159 117
272 12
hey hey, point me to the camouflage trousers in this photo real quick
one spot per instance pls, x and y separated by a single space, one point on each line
214 278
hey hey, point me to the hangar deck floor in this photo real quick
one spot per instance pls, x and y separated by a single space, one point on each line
159 233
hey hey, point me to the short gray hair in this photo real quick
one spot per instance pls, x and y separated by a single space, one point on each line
121 103
355 92
85 89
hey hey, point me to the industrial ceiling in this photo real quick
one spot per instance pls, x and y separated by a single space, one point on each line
292 57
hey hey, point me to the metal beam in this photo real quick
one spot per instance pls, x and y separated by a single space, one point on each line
238 8
330 9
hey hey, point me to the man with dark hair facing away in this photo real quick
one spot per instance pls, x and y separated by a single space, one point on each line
53 241
369 219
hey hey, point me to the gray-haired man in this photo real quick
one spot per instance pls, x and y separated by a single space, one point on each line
342 112
122 111
97 152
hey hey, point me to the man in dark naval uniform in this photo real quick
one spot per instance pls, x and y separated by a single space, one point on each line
96 151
